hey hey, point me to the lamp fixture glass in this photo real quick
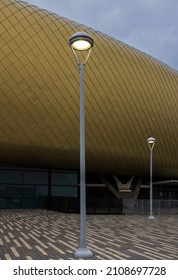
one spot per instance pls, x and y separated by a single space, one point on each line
151 142
81 41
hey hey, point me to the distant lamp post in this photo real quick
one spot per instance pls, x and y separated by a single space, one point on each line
151 143
82 42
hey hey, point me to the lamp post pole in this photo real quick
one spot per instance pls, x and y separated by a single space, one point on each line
82 162
151 142
151 188
82 41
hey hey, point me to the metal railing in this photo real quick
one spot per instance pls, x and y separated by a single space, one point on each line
142 206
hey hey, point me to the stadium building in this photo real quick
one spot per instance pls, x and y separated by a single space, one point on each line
129 97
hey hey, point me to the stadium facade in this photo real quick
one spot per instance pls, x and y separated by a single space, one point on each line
129 96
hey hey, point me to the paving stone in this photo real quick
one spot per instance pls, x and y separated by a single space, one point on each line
41 234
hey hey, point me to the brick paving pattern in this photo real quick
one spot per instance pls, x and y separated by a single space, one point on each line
41 234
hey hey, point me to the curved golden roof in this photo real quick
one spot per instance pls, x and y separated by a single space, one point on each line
129 96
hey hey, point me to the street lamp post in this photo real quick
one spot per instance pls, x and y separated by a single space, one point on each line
151 143
82 42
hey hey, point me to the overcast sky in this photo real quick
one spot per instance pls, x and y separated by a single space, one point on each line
148 25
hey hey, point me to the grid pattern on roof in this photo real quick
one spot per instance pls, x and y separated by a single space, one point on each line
129 97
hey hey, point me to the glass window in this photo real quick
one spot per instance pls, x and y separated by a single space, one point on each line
35 191
9 203
35 177
10 176
10 190
29 191
33 203
41 191
64 191
170 195
58 178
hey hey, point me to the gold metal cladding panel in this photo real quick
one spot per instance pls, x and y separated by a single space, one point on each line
129 96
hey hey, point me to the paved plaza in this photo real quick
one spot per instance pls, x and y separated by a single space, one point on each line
41 234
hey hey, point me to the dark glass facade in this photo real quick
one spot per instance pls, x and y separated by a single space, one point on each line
162 192
32 188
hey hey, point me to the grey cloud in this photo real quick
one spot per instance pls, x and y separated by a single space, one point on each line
148 25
